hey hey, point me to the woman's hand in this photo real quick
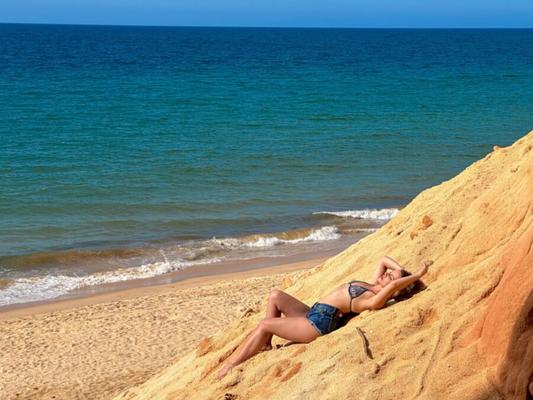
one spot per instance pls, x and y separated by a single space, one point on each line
423 268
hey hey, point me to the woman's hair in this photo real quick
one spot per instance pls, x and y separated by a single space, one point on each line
407 292
405 273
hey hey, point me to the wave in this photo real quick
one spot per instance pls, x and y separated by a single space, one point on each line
23 290
378 214
70 257
47 275
150 262
290 237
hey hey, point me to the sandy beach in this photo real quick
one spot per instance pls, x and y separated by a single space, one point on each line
165 165
95 347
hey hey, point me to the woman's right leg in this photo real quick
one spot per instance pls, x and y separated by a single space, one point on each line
279 303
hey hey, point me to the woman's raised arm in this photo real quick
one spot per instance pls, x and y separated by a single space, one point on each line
384 263
379 300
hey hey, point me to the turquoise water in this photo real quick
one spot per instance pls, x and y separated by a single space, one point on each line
118 142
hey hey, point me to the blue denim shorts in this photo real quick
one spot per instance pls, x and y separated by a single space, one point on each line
323 317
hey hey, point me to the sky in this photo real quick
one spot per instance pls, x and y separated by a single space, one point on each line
274 13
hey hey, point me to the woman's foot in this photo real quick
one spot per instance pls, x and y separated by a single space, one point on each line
224 370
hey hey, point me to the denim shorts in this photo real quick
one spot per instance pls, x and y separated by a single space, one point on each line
323 317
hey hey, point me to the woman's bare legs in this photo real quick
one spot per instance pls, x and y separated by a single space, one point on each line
279 303
297 329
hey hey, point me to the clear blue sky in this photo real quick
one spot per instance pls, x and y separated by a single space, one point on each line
282 13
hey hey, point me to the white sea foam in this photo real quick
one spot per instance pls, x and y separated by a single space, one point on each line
38 288
380 214
323 233
24 290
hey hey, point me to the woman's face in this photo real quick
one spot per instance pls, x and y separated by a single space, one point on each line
389 276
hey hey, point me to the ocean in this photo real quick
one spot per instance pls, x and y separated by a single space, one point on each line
133 152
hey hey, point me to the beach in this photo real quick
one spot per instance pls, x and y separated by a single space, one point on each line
94 347
158 182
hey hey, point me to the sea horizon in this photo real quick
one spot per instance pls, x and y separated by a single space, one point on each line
280 27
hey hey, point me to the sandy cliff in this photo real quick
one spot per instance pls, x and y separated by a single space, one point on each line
469 335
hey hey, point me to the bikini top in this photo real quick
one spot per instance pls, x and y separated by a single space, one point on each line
355 291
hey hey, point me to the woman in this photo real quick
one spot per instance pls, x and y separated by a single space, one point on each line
303 324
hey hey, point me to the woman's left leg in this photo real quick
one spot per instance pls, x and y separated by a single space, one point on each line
296 329
279 303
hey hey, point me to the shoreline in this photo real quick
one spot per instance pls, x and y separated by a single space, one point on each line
197 274
147 287
260 260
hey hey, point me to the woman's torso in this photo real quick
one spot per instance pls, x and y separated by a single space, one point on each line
341 299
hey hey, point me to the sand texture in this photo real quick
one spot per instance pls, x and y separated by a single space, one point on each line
94 351
469 335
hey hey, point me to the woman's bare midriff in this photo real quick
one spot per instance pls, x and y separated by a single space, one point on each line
340 298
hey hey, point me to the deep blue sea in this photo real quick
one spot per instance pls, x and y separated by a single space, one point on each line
129 152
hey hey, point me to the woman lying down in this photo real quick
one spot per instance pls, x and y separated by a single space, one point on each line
302 324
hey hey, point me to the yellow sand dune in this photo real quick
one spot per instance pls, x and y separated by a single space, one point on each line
469 335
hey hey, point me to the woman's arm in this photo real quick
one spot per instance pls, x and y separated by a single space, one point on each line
379 300
384 263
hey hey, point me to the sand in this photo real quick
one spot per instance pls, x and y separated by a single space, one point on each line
94 347
469 335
